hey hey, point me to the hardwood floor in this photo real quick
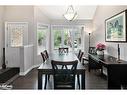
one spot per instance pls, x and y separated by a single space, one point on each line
94 80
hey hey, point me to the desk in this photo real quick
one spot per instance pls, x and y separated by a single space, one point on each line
116 72
46 68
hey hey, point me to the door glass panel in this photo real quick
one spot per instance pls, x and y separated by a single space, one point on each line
16 31
16 37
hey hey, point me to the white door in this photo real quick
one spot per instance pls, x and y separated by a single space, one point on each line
16 35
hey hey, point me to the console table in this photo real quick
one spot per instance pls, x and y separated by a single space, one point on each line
116 72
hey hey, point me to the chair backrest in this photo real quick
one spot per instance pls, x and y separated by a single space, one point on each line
46 53
92 50
80 56
63 50
43 56
79 53
64 74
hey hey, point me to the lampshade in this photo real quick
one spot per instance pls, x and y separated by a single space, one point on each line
70 13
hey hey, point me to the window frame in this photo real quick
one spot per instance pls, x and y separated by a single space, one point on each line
47 36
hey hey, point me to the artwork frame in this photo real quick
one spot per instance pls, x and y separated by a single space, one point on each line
115 28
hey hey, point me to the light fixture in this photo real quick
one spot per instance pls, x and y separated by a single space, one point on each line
70 13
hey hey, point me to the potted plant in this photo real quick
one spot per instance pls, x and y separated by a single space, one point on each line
100 49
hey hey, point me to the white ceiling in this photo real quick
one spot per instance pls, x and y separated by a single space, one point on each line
56 12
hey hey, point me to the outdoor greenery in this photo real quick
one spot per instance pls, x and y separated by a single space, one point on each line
57 38
41 36
65 38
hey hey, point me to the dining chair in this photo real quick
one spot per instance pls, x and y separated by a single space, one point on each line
92 50
80 56
63 50
46 76
64 78
46 54
43 56
79 53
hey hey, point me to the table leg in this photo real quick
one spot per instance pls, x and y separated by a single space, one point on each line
45 81
78 78
83 79
39 80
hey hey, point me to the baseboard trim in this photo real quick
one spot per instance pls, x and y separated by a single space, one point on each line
28 70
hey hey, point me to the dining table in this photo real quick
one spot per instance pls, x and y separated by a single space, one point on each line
46 68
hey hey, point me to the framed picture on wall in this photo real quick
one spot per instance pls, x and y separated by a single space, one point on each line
115 28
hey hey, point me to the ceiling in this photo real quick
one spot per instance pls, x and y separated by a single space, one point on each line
56 12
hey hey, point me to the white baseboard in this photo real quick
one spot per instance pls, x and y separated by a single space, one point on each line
28 70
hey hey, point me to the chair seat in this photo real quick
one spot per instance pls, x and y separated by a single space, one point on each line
64 82
64 79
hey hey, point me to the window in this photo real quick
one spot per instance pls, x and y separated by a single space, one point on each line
41 37
67 36
57 38
77 40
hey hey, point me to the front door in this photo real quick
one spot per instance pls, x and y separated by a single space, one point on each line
15 37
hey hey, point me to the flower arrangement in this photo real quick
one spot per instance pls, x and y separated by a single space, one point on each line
100 47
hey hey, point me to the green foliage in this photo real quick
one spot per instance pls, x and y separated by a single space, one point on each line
65 38
40 36
57 38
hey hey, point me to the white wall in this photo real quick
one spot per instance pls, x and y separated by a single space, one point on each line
98 35
39 17
21 14
30 14
1 34
26 59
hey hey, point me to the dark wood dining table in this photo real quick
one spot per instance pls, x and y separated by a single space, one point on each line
46 68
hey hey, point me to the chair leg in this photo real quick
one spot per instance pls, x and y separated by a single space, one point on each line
78 79
83 61
48 77
45 81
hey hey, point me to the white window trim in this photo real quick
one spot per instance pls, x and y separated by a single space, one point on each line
47 37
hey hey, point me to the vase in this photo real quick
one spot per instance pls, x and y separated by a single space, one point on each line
100 52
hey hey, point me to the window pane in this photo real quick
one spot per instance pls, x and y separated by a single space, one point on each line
68 39
77 40
57 39
41 38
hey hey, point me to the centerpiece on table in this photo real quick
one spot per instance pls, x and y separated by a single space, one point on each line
100 49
